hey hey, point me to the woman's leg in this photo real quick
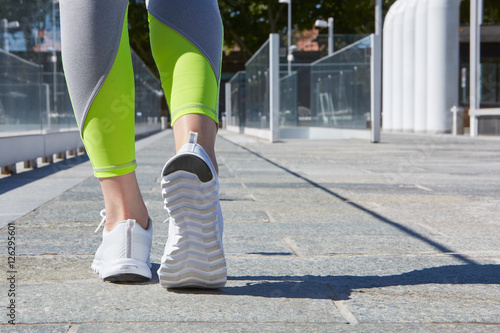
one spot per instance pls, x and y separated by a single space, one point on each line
186 40
98 68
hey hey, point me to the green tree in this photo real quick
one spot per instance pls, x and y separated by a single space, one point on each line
248 23
139 32
491 12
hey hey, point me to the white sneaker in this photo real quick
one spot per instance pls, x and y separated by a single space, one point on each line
194 256
124 253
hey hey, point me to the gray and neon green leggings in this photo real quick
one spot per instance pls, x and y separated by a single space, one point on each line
186 41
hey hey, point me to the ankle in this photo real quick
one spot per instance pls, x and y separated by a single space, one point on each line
115 215
211 154
123 201
206 129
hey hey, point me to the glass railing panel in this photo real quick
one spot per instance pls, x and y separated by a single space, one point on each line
148 93
340 88
257 89
238 100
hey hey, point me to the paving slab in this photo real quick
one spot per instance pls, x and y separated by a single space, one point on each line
319 236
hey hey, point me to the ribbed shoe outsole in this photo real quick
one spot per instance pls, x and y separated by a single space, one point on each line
127 270
196 259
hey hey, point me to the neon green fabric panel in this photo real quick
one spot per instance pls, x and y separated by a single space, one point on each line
108 132
188 80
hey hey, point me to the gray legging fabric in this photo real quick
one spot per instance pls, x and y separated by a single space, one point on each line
91 32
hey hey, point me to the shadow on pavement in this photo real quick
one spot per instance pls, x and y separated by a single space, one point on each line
340 287
440 247
12 182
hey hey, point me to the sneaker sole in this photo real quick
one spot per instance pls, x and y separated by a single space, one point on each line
126 270
197 260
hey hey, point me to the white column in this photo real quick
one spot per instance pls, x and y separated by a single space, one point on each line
420 106
409 65
387 75
397 67
274 87
442 64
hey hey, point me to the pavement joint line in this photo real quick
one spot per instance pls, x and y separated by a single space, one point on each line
341 307
291 245
73 328
381 218
455 323
423 188
345 313
333 255
364 323
188 323
270 217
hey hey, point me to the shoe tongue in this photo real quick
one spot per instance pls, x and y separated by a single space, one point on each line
193 137
190 146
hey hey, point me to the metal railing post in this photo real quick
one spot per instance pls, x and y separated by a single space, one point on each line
376 74
274 87
228 104
475 56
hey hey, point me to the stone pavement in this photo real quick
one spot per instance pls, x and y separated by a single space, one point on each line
320 236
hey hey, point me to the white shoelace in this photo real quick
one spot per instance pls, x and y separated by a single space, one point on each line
103 215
